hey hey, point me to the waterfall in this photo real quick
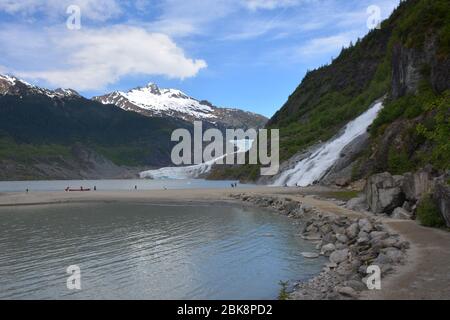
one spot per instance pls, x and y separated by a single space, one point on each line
314 167
195 171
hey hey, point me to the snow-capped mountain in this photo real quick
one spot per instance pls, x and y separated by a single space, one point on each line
10 85
153 101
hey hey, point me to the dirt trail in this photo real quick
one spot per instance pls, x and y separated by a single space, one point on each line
426 275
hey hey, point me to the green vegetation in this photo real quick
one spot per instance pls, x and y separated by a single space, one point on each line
437 131
399 162
329 115
36 126
283 295
424 16
428 213
408 107
26 152
342 195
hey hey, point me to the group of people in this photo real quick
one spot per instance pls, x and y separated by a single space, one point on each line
234 185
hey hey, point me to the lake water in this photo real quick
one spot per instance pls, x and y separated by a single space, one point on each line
138 251
115 185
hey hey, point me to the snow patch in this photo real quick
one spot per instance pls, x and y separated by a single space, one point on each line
195 171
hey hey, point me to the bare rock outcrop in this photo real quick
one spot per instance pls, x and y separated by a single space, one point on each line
384 193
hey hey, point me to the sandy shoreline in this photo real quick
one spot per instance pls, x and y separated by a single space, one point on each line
426 275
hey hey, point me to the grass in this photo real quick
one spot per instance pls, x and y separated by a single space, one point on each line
343 195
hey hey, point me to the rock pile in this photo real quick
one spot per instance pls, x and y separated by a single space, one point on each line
351 244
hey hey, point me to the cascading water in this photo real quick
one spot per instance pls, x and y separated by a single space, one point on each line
314 167
195 171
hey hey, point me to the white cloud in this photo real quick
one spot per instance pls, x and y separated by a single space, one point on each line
96 10
269 4
325 44
92 59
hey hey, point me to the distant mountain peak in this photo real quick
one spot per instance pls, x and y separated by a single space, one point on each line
154 101
11 85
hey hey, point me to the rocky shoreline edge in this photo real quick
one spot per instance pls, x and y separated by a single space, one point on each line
352 244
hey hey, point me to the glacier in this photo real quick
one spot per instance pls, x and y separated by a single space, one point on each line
194 171
314 168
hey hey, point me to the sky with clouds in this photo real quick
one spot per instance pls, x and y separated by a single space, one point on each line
249 54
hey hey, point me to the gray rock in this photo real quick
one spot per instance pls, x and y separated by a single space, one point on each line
382 259
408 206
356 285
362 241
339 256
306 208
401 214
365 225
341 238
352 231
328 249
341 246
394 254
358 204
310 255
416 185
347 292
390 242
442 197
379 235
384 192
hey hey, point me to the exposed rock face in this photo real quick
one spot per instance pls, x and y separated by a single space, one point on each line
415 185
341 172
399 195
442 197
409 64
384 193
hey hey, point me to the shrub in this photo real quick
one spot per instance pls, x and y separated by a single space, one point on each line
428 213
283 295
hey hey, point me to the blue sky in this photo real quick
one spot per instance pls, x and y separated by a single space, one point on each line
249 54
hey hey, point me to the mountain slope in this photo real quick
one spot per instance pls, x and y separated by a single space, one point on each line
43 128
152 101
406 62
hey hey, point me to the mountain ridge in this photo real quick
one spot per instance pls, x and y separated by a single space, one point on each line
153 101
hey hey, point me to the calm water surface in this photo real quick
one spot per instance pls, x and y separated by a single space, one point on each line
138 251
115 185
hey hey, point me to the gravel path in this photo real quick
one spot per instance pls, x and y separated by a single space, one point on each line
426 276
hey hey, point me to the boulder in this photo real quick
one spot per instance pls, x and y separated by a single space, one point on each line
365 225
339 256
342 238
328 249
416 185
310 255
384 193
358 204
402 214
442 197
352 231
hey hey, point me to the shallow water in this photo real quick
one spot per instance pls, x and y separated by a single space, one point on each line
115 185
138 251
